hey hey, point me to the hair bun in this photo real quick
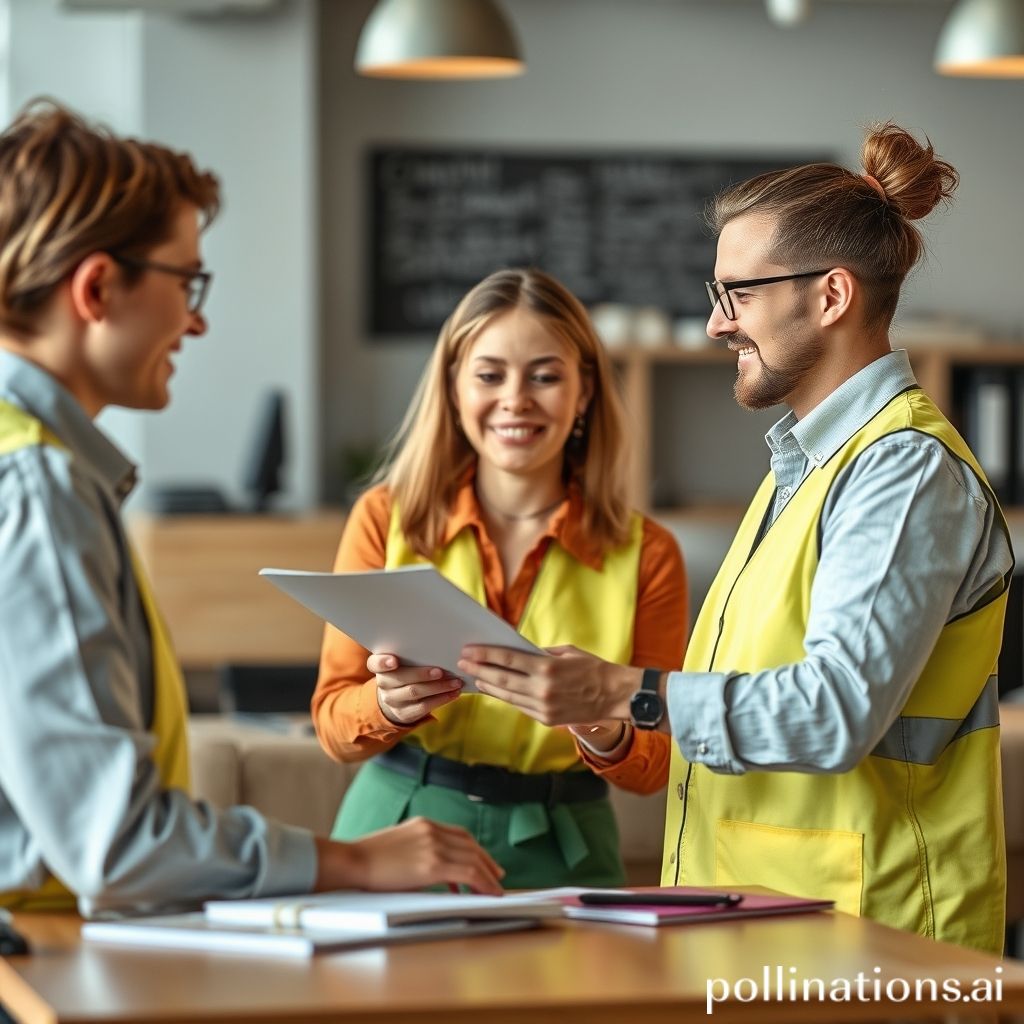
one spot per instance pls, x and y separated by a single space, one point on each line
913 179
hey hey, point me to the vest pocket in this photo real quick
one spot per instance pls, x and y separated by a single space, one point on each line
808 862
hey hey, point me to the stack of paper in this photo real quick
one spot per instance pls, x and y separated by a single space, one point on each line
378 913
303 925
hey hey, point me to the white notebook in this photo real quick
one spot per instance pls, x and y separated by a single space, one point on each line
196 931
412 612
378 913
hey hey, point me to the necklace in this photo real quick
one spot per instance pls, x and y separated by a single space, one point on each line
518 517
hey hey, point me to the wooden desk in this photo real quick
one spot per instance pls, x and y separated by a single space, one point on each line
204 573
598 974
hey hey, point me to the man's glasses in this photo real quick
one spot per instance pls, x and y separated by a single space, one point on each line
718 291
198 280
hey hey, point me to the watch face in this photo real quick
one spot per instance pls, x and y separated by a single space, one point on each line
646 709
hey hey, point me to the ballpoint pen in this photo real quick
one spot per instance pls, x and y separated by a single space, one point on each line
660 899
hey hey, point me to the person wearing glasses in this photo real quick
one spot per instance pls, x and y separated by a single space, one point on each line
101 281
836 724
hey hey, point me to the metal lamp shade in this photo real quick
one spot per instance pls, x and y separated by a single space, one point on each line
983 39
438 39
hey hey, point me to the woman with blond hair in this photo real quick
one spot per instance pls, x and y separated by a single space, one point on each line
509 475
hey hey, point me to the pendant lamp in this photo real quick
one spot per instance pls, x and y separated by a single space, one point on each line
983 39
438 39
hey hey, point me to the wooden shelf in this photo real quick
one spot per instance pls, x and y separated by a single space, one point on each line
933 365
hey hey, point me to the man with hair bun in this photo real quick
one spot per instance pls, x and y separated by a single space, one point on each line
836 721
101 280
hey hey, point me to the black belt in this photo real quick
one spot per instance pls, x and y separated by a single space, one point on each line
491 784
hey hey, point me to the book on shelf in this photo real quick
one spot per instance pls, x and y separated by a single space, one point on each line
988 423
1017 439
195 931
657 914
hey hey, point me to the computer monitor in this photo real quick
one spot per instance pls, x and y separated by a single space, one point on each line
263 474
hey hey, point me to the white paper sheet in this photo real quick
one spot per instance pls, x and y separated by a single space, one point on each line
412 611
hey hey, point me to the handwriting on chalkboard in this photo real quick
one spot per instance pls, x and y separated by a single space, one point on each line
624 228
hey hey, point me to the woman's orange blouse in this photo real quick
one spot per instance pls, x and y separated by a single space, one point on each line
348 720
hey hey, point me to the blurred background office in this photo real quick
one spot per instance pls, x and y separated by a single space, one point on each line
265 92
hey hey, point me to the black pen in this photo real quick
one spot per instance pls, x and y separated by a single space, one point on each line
660 899
12 942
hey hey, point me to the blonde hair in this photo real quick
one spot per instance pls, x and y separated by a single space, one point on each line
68 189
826 215
429 454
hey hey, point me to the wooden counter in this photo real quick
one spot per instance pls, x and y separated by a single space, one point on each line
204 572
597 974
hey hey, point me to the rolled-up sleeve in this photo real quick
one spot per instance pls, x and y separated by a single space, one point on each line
80 794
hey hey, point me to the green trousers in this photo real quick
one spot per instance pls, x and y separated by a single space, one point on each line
538 846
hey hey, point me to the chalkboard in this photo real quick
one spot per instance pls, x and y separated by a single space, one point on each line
620 227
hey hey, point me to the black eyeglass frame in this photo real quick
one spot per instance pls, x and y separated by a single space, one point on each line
722 296
196 298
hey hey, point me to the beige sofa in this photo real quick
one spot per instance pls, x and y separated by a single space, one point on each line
288 777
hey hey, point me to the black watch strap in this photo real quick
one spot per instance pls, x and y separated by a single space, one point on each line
651 679
647 708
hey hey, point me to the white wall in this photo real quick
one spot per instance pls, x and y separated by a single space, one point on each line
704 75
92 62
239 93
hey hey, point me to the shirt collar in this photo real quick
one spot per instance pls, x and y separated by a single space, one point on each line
831 423
43 396
565 525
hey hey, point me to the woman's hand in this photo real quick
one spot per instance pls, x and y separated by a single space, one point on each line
412 855
406 695
566 686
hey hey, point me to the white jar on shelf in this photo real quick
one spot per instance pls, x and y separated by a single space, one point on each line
652 327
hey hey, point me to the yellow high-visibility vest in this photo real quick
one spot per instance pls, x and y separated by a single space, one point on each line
913 835
19 429
570 603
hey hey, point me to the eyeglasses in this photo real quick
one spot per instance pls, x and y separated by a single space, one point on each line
718 291
198 280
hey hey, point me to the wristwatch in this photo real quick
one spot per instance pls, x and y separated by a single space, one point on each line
646 708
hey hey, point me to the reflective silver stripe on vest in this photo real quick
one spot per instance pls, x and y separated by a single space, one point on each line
922 740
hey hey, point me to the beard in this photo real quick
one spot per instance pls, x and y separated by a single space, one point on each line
771 385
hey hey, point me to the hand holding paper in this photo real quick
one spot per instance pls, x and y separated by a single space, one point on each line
406 695
565 686
411 612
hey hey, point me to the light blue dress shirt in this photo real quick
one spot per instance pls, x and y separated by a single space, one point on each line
79 791
909 541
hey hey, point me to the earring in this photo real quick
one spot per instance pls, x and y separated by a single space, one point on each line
577 427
